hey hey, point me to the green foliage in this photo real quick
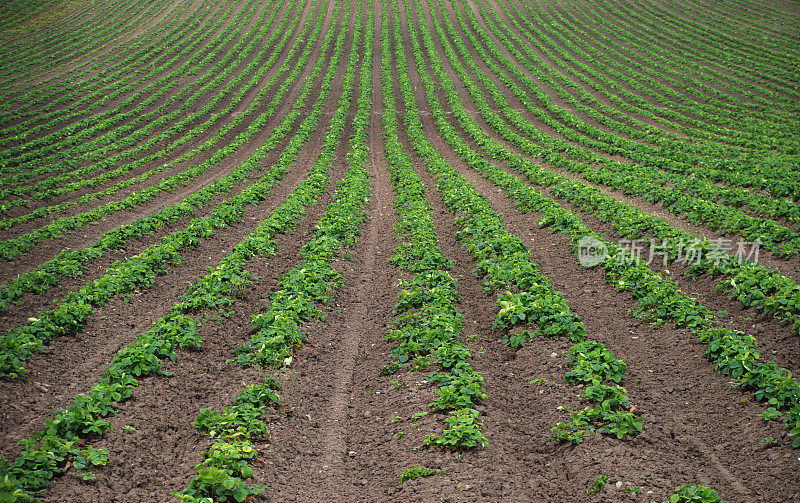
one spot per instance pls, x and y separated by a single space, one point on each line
416 472
695 494
598 484
464 431
428 326
592 363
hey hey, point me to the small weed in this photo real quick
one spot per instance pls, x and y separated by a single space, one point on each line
769 442
633 489
416 472
398 384
128 427
598 484
539 380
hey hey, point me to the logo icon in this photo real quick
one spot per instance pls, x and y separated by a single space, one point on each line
591 251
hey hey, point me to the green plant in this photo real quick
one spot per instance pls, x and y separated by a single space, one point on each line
598 484
695 494
464 431
416 472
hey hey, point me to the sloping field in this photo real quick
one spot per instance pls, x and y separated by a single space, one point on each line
411 250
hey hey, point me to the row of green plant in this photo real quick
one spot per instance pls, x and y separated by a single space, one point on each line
26 58
695 494
659 299
97 150
235 84
634 179
504 261
226 464
502 258
225 467
592 365
14 158
47 451
139 271
314 280
218 289
19 245
765 289
714 160
428 326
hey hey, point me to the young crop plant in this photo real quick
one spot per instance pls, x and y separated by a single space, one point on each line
598 484
695 494
783 290
660 298
226 464
416 472
313 281
139 271
593 365
172 332
503 259
428 325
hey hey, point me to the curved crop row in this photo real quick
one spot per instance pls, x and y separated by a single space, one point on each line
505 263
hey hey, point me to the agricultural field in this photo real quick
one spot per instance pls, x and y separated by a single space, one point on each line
399 250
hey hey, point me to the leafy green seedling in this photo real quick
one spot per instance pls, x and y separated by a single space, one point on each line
598 484
416 472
